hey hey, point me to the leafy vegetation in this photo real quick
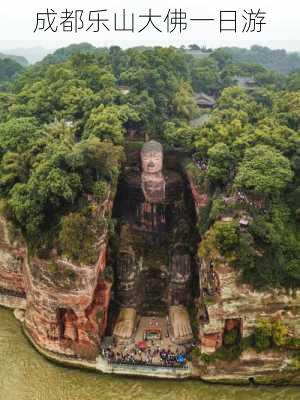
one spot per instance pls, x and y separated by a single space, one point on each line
269 334
9 70
16 58
229 351
278 60
63 124
250 147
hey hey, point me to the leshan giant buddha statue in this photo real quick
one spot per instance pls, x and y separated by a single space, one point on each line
154 214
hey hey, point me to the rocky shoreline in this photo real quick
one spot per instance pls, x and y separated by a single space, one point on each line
272 377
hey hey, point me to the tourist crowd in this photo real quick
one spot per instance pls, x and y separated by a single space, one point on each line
150 356
201 163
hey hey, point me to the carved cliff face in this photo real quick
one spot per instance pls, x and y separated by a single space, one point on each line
153 183
152 162
153 189
152 157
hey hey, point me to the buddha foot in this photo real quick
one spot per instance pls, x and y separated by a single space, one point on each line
125 323
180 323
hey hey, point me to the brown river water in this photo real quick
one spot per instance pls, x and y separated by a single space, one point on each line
26 375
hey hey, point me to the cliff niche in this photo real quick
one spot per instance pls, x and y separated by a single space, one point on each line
154 265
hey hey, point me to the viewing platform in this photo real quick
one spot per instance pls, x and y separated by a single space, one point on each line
150 371
150 352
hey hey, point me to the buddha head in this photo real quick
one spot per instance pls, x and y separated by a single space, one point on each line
152 157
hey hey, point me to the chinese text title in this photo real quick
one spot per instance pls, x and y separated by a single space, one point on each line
174 20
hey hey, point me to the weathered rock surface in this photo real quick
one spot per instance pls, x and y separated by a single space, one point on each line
68 320
12 285
66 304
242 303
233 304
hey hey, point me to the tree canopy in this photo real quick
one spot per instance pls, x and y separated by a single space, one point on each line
64 122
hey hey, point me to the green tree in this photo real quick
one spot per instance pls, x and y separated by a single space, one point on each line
226 235
108 123
264 171
18 134
263 335
9 69
78 237
220 163
184 102
206 76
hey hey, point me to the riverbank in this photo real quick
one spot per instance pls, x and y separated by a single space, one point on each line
12 302
101 365
254 375
26 375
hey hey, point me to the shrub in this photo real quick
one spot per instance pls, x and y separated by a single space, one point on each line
270 333
230 338
279 333
226 236
196 353
78 235
100 190
262 341
228 354
263 335
293 343
205 358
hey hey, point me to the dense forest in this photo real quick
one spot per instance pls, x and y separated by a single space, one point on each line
63 123
9 71
18 59
278 60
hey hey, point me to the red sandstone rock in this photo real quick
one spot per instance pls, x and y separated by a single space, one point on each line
238 304
66 309
11 264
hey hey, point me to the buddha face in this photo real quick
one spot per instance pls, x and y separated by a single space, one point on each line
152 162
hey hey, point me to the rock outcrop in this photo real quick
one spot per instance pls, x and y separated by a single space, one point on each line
12 252
66 303
241 305
226 304
70 319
